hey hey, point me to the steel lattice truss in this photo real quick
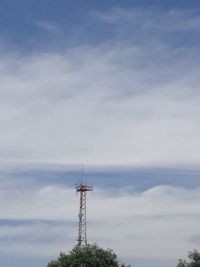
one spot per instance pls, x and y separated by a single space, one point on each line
82 230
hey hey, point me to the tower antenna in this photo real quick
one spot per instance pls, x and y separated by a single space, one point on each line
82 188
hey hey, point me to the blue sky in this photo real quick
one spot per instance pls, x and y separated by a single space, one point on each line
113 85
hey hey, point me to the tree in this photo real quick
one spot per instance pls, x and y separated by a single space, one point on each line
194 257
181 263
88 256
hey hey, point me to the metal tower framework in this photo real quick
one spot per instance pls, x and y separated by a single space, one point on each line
82 230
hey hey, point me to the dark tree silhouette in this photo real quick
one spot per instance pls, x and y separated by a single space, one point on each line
88 256
194 257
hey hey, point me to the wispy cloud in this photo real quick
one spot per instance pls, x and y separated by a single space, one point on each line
48 216
125 94
47 26
156 19
114 105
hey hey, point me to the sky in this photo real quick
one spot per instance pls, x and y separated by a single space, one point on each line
112 86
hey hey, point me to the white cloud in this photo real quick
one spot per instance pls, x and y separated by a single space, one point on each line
131 100
101 105
144 225
47 26
115 103
155 19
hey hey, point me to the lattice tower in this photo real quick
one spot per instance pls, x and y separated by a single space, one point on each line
82 229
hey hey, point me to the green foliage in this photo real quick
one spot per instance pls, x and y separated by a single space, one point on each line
194 257
87 256
181 263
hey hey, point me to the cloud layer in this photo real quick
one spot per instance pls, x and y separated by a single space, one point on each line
144 225
114 104
125 94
